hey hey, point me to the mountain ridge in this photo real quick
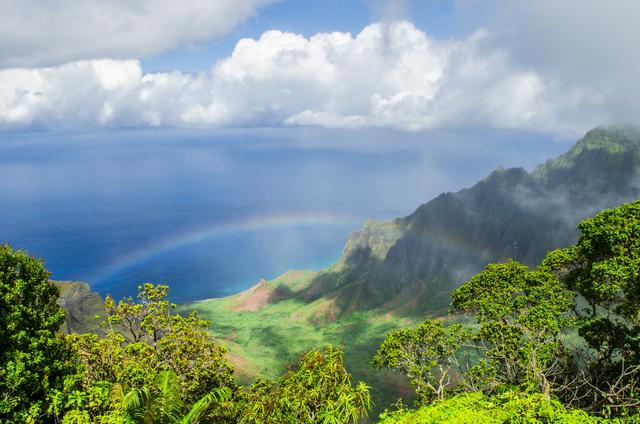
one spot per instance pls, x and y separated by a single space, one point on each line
453 236
394 274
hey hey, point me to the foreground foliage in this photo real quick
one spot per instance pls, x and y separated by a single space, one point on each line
317 390
521 318
508 407
603 268
427 355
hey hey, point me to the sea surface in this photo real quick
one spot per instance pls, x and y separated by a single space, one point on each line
211 213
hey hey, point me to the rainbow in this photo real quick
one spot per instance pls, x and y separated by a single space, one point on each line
210 231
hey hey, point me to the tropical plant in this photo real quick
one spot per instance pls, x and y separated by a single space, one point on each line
427 355
520 313
510 406
569 329
162 402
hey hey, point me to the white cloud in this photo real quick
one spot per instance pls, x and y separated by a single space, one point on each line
389 75
45 33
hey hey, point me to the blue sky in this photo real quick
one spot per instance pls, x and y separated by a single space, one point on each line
556 68
440 18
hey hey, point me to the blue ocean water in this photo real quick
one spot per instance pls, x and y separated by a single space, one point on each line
210 213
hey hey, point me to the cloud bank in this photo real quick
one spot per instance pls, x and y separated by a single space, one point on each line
389 75
47 33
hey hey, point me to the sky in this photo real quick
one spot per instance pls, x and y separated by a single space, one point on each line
551 67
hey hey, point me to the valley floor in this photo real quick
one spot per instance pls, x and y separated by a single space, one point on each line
263 338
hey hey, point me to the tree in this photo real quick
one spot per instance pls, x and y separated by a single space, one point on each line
318 390
521 317
180 344
146 320
426 355
33 359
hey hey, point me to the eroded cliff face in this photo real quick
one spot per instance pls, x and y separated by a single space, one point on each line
375 238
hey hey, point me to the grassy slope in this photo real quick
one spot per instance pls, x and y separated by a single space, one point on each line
263 341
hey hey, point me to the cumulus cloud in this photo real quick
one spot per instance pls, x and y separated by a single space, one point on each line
389 75
46 33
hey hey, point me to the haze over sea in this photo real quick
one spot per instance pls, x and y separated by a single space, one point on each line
212 212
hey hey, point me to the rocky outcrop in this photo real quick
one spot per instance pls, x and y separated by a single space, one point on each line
83 307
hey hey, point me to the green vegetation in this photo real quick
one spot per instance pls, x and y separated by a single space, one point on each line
611 140
603 269
151 366
521 318
426 355
513 365
318 389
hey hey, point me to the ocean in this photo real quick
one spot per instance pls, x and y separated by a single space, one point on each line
210 213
